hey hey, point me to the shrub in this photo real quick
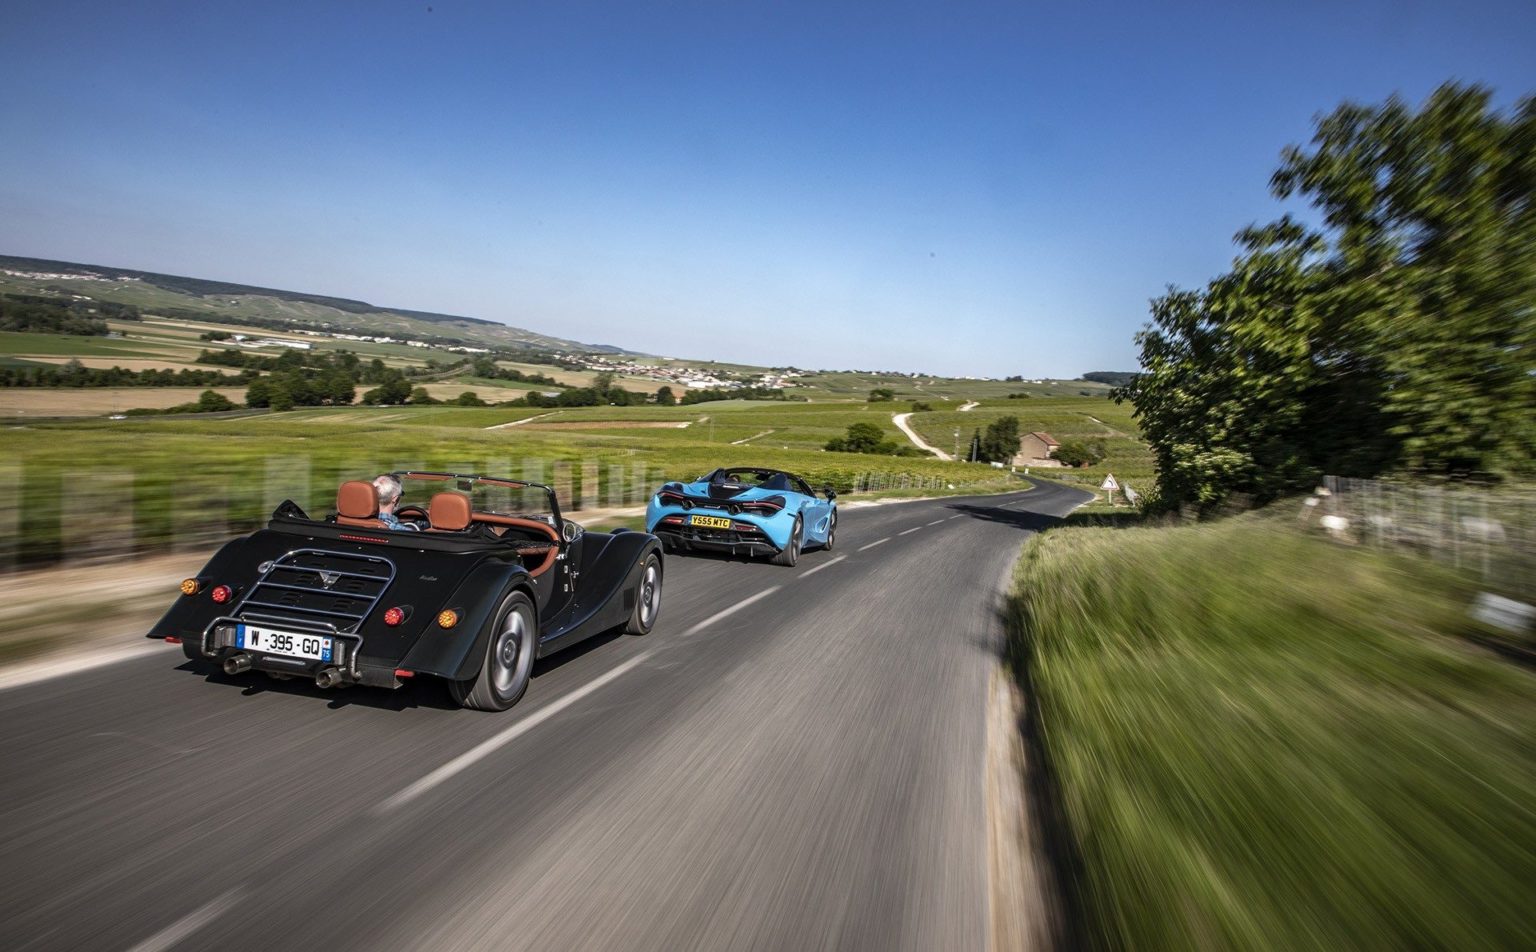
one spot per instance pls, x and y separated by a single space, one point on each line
1080 453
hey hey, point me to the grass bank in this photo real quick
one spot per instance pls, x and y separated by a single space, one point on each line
1265 741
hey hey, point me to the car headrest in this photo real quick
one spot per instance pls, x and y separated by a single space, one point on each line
356 499
450 511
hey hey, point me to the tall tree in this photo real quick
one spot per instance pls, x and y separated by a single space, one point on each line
1400 335
1001 442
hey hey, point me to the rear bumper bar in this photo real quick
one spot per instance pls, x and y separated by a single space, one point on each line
219 643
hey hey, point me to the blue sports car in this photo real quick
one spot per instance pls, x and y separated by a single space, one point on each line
744 510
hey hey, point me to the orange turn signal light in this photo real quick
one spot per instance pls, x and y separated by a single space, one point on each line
191 586
447 618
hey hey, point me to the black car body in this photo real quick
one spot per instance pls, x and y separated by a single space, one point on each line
473 598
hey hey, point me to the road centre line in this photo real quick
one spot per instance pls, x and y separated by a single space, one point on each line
480 751
873 544
911 530
717 616
810 572
953 518
190 923
935 522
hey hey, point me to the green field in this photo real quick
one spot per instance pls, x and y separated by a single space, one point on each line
937 390
69 345
1264 740
169 481
1065 418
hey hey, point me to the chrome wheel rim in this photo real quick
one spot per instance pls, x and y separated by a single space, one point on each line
650 594
511 657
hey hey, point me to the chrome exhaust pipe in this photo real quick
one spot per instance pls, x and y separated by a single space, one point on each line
237 664
328 678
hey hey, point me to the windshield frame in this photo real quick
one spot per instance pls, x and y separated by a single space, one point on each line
408 476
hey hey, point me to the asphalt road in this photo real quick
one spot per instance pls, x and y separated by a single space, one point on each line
793 759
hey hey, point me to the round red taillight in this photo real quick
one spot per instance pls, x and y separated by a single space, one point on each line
394 616
221 594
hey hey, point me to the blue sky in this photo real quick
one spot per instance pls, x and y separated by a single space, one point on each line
958 188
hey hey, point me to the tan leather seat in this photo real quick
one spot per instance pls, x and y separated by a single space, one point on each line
449 512
357 504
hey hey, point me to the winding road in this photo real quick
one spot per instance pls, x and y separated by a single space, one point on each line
792 760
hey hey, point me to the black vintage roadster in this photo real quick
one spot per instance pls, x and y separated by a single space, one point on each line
493 578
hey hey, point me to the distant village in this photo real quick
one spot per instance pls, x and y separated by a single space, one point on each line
693 378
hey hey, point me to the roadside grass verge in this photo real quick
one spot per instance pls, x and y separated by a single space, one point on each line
1262 740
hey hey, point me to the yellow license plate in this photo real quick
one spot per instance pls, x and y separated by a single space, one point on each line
709 522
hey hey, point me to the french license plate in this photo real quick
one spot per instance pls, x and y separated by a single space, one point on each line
709 522
291 644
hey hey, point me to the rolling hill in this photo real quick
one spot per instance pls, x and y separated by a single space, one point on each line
225 302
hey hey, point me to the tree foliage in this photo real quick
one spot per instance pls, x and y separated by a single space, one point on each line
1000 444
1080 452
1401 335
393 388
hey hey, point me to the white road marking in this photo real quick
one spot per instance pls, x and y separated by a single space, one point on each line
190 923
726 613
953 518
935 522
487 747
823 565
873 544
911 530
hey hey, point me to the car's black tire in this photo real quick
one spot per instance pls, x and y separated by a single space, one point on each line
508 663
647 598
790 554
831 532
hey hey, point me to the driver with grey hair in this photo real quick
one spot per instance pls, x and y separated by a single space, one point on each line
389 489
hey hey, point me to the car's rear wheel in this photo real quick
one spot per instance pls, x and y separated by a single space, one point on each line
790 554
508 663
647 598
831 531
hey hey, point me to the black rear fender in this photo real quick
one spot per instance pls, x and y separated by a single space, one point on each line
456 653
233 565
